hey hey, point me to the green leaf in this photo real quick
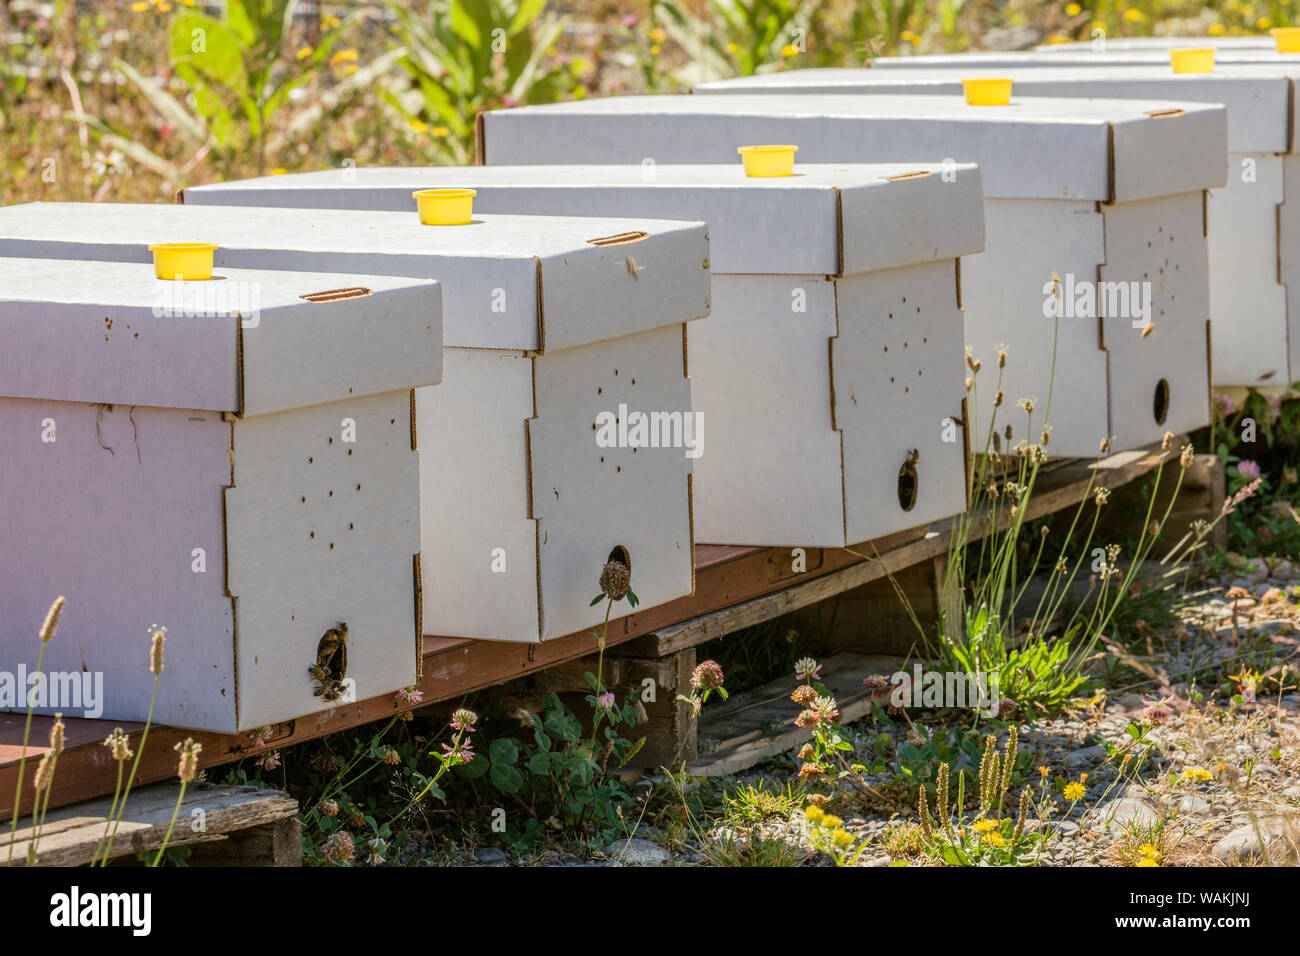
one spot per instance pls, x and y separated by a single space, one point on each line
540 764
503 751
167 105
507 778
475 768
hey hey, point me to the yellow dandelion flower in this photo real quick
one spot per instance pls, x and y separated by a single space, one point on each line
163 7
279 171
1147 849
1217 30
984 826
139 7
1044 772
1073 9
1134 15
305 52
733 47
343 56
1146 861
658 35
441 132
788 51
1199 774
329 21
654 50
1059 38
419 125
995 839
1263 23
1074 791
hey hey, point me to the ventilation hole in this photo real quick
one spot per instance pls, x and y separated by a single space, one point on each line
337 295
311 461
907 483
1160 405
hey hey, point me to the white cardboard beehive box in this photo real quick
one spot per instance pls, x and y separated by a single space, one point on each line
1079 195
551 325
1252 276
854 257
227 459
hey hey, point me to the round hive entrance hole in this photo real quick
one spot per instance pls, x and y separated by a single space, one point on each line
1160 403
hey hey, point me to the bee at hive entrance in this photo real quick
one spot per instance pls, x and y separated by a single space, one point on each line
331 667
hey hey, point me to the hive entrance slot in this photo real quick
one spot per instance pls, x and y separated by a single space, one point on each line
622 239
337 295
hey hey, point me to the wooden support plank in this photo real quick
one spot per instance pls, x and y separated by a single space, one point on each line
669 730
742 727
271 844
70 836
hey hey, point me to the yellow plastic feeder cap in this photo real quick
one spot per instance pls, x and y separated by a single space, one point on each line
183 260
445 207
1192 60
768 160
987 91
1287 39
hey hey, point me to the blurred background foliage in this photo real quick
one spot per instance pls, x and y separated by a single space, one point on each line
133 99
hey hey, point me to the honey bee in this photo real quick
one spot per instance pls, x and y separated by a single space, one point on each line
331 662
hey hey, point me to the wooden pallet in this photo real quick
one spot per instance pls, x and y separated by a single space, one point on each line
228 826
736 587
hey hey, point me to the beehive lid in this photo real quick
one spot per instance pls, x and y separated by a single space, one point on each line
827 220
1259 98
1124 44
1078 57
508 282
249 341
1036 148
